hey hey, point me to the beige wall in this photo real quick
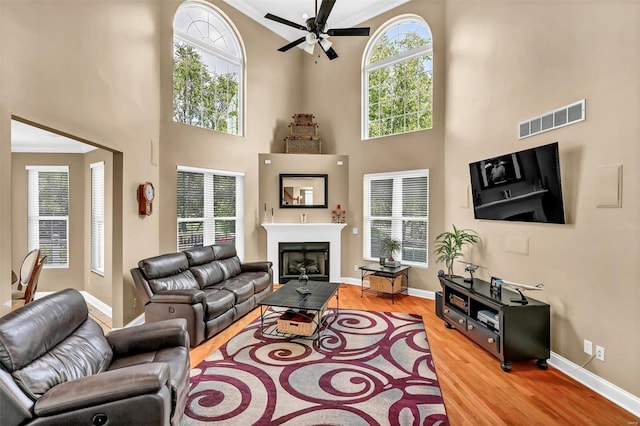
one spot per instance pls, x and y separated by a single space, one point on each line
78 275
337 185
273 94
96 284
509 61
51 279
102 71
332 91
90 69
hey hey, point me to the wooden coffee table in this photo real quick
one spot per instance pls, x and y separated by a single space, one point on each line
288 298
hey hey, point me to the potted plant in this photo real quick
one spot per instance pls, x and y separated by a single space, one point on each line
390 246
449 245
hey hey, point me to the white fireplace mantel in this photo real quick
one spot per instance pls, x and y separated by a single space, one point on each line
305 232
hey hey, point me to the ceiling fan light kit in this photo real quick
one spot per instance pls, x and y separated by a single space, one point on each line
316 29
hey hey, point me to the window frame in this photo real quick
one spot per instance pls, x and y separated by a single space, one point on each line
209 221
396 217
239 61
368 67
97 170
34 218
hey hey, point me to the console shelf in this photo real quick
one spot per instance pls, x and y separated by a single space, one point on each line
520 331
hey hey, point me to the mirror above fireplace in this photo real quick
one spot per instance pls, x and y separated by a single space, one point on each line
303 191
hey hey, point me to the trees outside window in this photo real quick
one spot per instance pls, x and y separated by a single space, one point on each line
397 206
207 70
398 79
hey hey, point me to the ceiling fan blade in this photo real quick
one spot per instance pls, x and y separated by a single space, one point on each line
331 54
292 44
285 21
323 13
362 31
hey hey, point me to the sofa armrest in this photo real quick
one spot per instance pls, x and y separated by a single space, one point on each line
189 296
262 266
102 388
149 337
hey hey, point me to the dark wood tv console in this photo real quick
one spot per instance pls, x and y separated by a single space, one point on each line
521 332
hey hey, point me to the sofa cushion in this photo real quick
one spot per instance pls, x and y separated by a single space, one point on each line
240 286
182 281
218 301
230 267
164 265
261 280
208 274
199 255
224 251
84 353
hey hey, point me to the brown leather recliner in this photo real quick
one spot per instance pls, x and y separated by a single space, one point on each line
58 367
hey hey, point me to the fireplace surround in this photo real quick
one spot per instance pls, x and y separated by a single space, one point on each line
305 232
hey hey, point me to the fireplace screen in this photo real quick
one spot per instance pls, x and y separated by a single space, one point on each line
312 256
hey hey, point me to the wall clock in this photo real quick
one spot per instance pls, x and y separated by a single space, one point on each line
146 194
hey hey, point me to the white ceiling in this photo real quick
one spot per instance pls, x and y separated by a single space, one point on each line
345 13
26 138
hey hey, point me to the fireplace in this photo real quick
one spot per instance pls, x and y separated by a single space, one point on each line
313 256
310 232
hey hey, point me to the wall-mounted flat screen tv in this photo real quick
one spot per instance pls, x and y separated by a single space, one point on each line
519 186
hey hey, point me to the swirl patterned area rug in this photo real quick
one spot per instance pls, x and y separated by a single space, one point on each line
375 368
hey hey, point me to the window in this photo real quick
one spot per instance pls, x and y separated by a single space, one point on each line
210 208
48 213
398 78
396 205
97 217
207 70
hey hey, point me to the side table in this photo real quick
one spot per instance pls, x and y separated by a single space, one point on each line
390 273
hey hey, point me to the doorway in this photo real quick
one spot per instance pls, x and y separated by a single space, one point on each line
94 259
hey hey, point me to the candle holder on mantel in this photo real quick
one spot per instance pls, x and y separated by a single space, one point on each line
338 215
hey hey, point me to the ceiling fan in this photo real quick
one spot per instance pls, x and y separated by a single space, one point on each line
316 31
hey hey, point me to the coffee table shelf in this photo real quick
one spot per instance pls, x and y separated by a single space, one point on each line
287 298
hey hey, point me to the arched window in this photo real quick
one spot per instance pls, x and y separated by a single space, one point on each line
208 69
398 79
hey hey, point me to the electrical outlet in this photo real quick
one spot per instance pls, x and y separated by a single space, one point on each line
135 303
355 268
588 347
600 353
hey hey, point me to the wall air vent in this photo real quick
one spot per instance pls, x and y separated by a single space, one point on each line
564 116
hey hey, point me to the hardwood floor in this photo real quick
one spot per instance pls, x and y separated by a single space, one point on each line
475 389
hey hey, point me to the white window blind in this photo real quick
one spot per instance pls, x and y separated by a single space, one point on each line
48 213
396 205
97 217
210 208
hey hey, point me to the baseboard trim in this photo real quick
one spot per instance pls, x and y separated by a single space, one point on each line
613 393
425 294
97 303
139 320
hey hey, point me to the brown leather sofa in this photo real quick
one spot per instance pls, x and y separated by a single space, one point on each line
58 367
208 286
